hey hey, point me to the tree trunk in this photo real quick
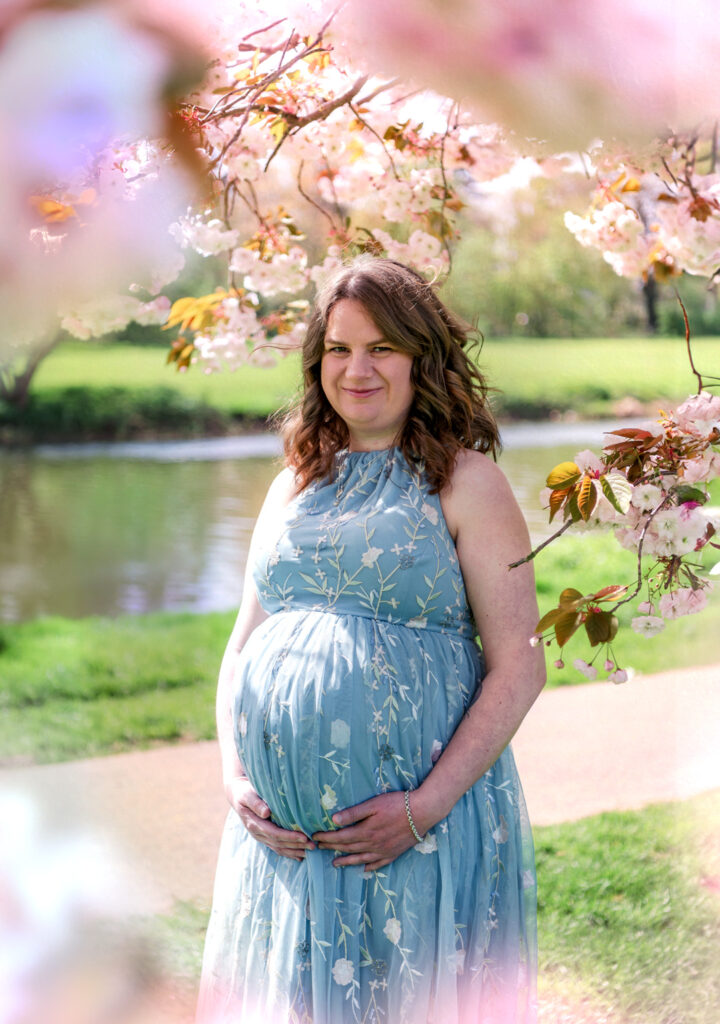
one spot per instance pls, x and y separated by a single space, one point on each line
15 377
650 295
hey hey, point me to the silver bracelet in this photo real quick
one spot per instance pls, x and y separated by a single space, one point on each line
411 823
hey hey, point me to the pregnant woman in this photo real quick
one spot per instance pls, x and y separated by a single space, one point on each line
377 863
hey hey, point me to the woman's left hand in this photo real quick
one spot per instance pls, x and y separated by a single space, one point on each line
372 833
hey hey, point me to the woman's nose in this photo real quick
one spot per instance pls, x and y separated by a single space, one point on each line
359 365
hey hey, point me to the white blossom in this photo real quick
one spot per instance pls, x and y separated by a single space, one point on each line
648 625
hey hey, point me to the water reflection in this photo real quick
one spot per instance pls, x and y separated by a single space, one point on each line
145 527
102 536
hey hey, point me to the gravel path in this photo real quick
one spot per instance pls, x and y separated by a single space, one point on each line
580 751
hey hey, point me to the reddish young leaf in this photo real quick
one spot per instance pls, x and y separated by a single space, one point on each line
633 432
587 497
597 627
566 626
549 619
557 500
570 599
611 593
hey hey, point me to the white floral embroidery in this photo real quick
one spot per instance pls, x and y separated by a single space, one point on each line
456 961
343 971
428 844
329 798
242 724
500 835
393 930
370 557
430 512
339 733
417 623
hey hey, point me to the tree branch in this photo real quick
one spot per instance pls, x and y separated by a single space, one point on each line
536 551
646 527
687 342
310 200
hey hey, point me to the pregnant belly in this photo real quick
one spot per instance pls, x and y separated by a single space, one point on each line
332 709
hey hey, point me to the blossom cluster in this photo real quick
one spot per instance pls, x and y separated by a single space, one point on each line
649 487
658 222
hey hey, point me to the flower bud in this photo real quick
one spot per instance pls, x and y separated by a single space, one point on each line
559 663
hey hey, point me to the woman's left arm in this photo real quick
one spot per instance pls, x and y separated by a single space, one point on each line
490 533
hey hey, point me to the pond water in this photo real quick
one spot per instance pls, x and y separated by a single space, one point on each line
107 529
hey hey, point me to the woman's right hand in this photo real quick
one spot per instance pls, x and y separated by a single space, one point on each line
255 816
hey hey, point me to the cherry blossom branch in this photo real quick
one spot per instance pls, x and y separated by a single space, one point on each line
380 89
536 551
310 200
696 372
638 586
379 137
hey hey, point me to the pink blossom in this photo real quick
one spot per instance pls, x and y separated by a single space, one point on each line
621 676
608 665
535 640
699 413
684 601
587 670
559 663
646 607
702 469
588 461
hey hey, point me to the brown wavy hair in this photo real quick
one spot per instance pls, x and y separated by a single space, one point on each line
450 410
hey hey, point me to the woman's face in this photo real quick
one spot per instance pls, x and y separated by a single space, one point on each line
366 379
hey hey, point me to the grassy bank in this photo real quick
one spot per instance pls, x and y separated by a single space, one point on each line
536 379
77 688
628 918
629 911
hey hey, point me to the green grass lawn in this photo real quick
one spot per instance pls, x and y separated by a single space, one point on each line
77 688
628 917
534 376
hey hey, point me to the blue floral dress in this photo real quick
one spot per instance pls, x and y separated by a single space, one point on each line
352 687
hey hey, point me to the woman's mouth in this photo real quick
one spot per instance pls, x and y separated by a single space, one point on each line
360 392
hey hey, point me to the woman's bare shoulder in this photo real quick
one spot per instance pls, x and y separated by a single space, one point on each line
477 475
477 488
283 488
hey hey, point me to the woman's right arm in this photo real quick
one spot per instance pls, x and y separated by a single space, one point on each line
243 798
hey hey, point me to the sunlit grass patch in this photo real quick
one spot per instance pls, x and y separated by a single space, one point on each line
629 910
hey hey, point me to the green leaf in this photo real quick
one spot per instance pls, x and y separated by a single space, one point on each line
563 475
687 493
571 509
617 490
